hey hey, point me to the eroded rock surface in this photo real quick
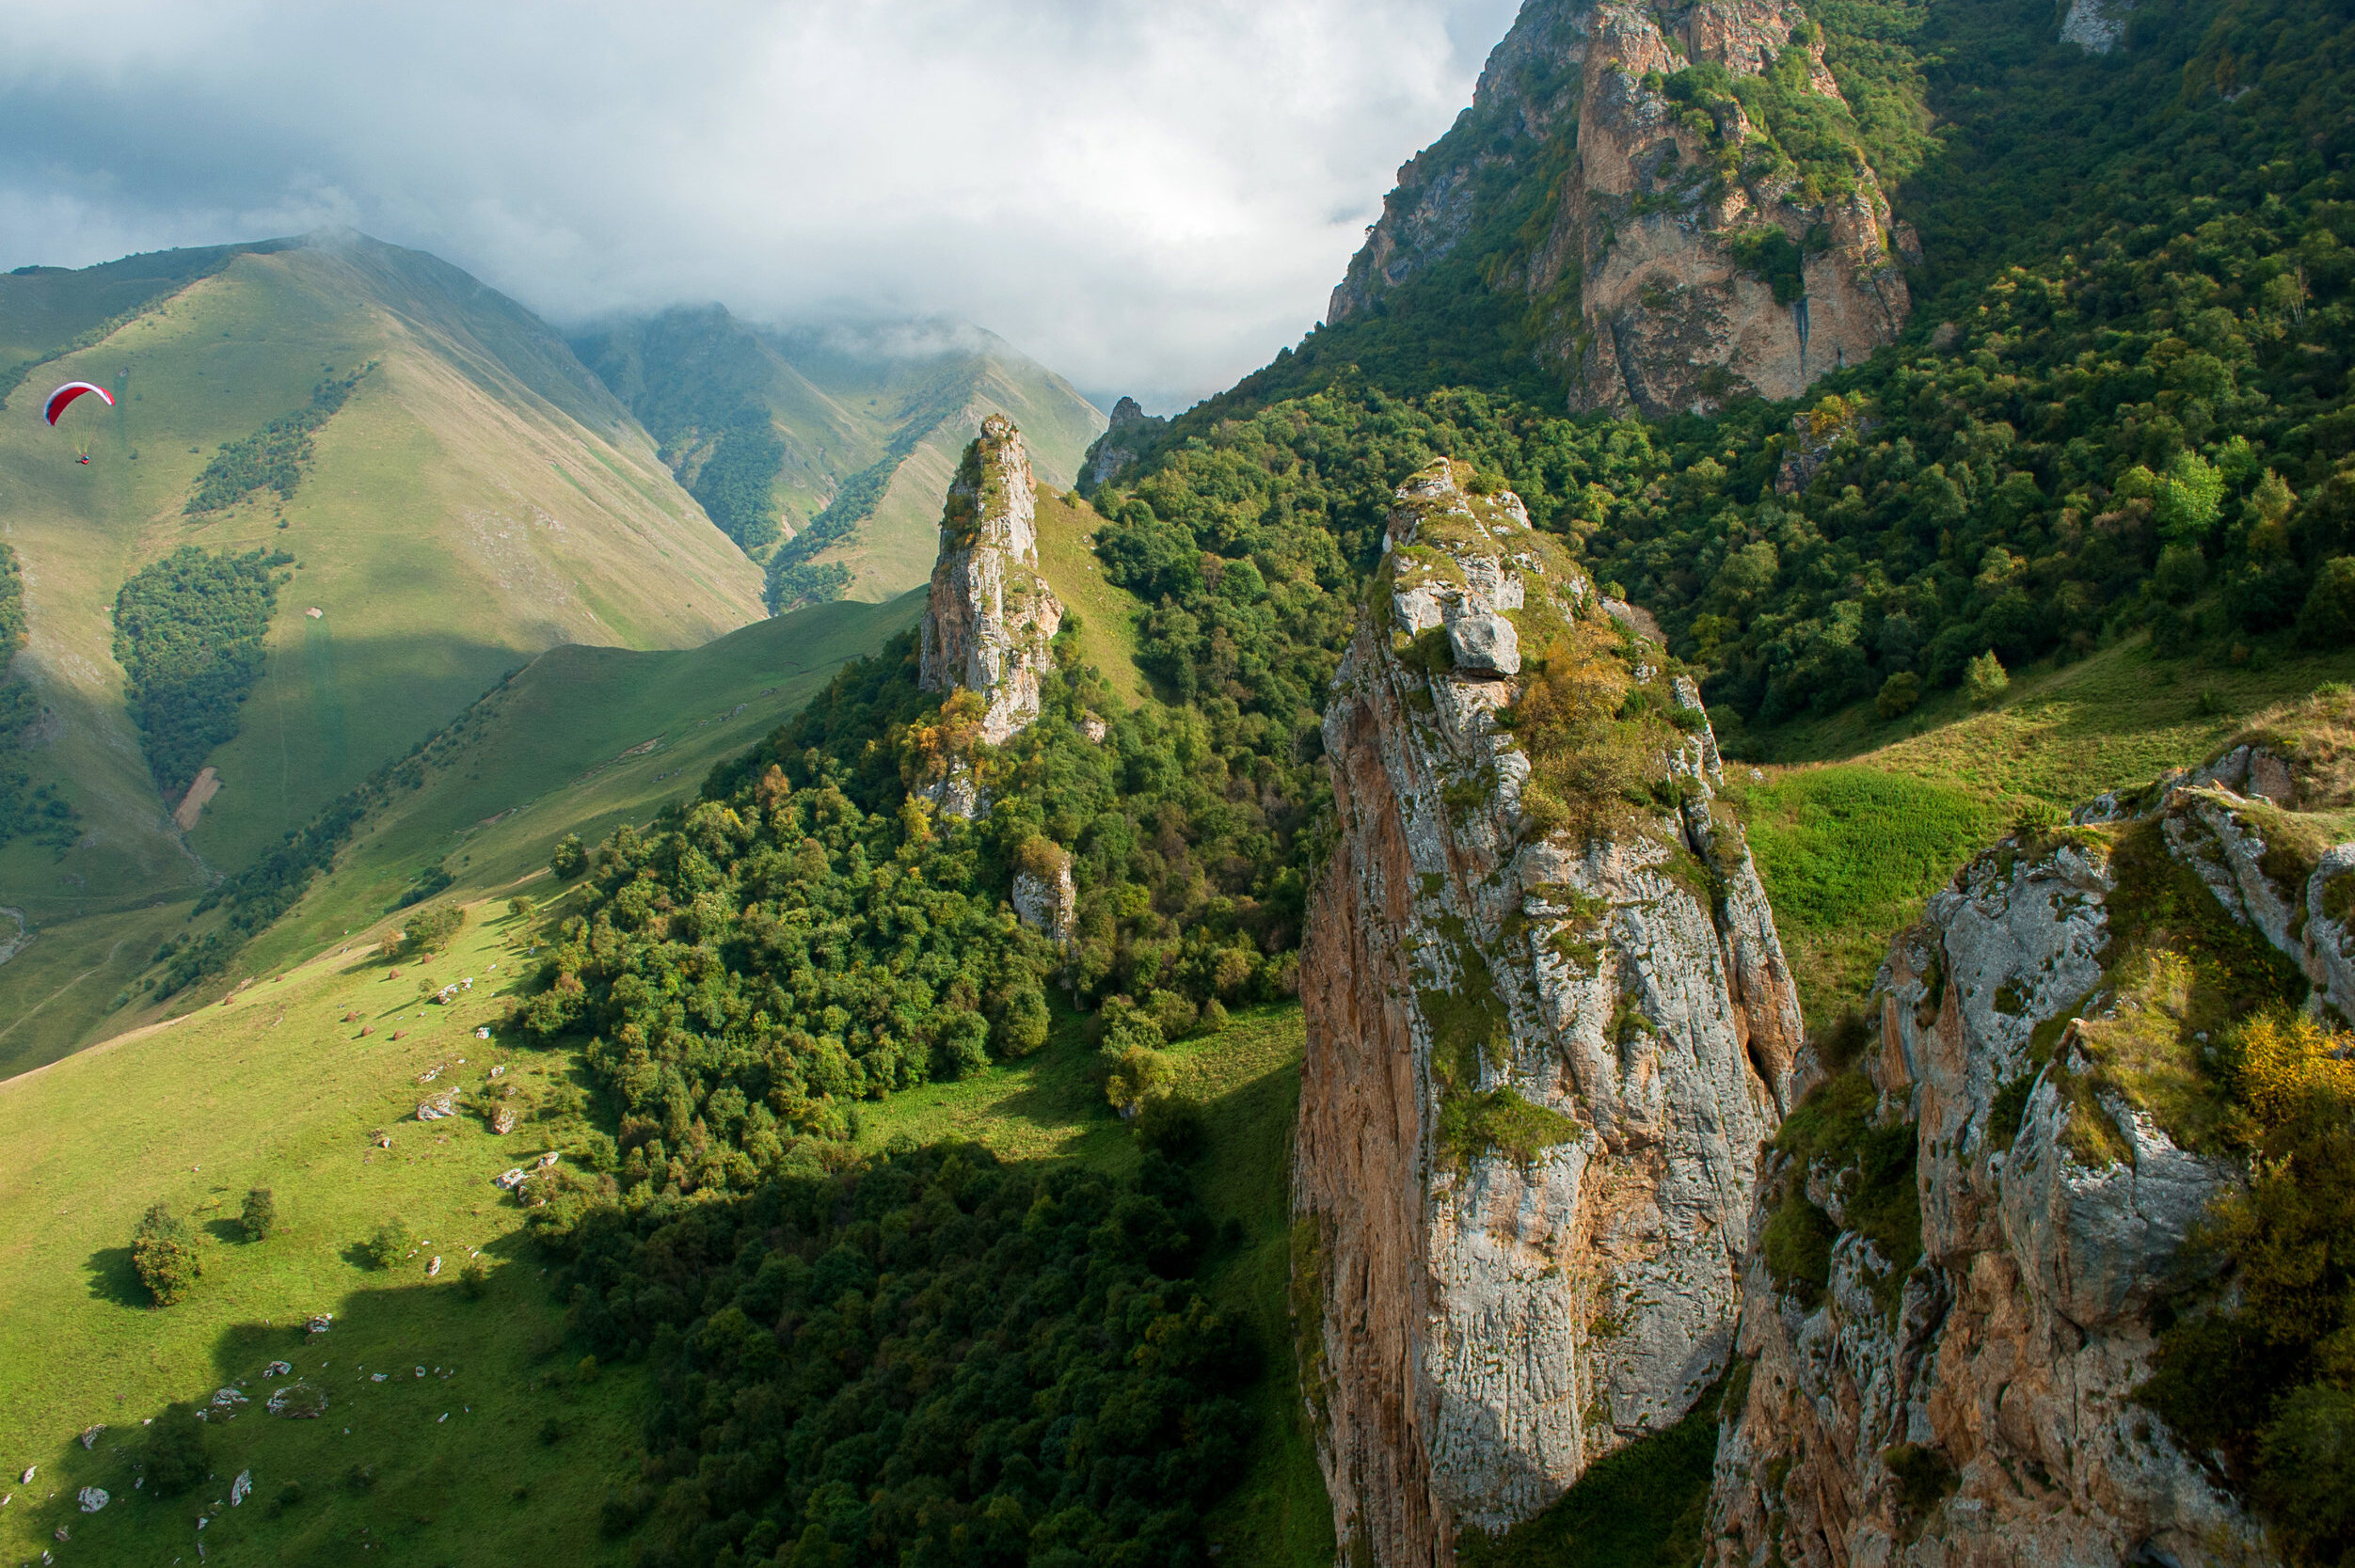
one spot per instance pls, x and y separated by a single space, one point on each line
1687 262
1542 1054
989 615
1975 1407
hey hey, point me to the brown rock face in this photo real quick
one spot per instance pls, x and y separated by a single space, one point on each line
1688 262
1985 1416
989 615
1541 1059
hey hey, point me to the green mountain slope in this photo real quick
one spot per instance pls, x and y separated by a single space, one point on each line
838 439
479 496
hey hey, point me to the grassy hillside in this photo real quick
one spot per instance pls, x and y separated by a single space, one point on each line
581 740
1107 612
274 1089
1863 818
478 498
101 1136
858 427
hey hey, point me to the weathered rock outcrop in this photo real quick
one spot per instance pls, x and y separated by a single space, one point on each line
991 616
1981 1412
2096 26
1121 444
1689 260
1547 1034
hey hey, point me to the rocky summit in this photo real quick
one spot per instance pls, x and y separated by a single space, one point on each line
990 616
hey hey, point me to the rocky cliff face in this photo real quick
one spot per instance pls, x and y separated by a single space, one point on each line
1974 1406
1122 440
1547 1029
991 616
1689 257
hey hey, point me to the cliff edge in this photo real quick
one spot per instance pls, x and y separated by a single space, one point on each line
1550 1027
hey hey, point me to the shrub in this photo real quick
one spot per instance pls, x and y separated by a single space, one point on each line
1797 1247
393 1242
429 931
164 1252
1214 1019
520 907
2330 613
1985 679
1173 1127
1141 1075
569 859
1899 695
288 1495
1022 1022
260 1214
176 1458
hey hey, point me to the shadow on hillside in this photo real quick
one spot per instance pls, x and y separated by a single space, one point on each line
380 1463
113 1278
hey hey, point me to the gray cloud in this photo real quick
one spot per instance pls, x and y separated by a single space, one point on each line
1145 196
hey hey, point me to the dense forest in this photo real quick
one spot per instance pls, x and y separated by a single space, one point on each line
2121 406
925 1358
273 457
27 810
188 631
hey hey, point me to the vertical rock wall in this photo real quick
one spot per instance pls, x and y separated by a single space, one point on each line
989 615
1647 290
1540 1063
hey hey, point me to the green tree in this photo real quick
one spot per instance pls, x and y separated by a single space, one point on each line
429 930
1985 679
1140 1074
569 859
2330 615
393 1242
164 1253
1900 694
260 1214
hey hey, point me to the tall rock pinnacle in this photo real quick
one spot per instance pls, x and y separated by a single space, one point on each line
990 615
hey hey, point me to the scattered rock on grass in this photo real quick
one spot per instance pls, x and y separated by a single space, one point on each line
440 1105
278 1369
92 1498
89 1436
298 1402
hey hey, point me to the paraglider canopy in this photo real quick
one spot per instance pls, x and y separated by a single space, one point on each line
60 398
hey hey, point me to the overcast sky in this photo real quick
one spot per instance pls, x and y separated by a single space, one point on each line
1148 196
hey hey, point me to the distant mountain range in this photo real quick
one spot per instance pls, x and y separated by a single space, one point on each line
825 450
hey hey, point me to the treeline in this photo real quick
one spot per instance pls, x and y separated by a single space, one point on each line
795 578
925 1358
274 883
270 458
2123 406
188 631
736 483
27 810
811 933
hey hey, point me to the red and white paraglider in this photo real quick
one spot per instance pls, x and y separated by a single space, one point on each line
63 399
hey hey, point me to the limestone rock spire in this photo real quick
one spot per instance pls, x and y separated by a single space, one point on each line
990 615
